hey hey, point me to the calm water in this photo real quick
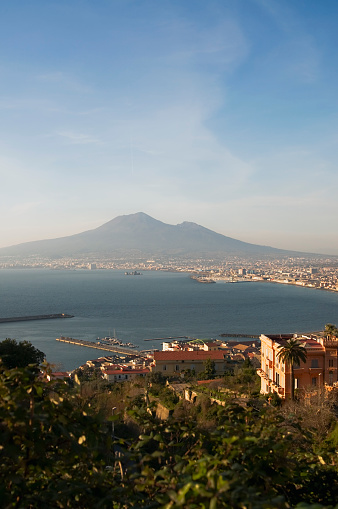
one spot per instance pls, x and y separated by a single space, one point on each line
156 304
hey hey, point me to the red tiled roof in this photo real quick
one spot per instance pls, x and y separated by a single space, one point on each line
189 355
58 375
125 371
311 343
205 382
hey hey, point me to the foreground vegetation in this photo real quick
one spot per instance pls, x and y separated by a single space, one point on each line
59 448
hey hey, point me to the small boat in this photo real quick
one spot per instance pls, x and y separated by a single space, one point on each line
112 340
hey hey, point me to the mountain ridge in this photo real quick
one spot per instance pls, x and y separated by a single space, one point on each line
142 234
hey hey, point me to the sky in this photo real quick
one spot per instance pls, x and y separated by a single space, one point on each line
219 112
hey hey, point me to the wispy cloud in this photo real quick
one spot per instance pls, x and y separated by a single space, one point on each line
63 79
79 138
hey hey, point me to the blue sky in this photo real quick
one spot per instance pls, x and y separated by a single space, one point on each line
220 112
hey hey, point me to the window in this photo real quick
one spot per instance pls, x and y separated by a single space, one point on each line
331 378
177 368
330 363
296 383
314 381
277 378
164 367
314 363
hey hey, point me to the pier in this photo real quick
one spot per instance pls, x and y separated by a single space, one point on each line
36 317
107 348
230 335
165 339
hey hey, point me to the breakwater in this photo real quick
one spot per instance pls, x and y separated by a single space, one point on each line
230 335
36 317
167 339
107 348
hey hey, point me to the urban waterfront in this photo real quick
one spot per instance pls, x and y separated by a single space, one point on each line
156 304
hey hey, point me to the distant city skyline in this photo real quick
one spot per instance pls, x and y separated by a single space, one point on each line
219 113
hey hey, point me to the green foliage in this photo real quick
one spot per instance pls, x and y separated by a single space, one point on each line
293 352
209 370
56 453
156 378
331 330
333 436
189 375
51 450
243 379
19 355
249 461
87 374
164 395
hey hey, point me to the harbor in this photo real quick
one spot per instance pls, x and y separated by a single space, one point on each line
99 346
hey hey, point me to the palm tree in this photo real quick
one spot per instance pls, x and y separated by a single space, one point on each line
293 352
330 330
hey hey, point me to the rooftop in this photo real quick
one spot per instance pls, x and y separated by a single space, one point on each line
189 355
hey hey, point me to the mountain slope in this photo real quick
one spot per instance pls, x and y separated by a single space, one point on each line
140 234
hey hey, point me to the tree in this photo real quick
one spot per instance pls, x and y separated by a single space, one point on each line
330 330
87 374
56 453
209 370
51 448
19 355
293 352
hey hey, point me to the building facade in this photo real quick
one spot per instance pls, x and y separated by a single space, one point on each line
319 370
169 363
123 374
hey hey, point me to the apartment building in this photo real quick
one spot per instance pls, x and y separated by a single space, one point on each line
169 363
123 373
319 370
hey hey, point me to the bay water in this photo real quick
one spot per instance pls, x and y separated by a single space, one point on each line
153 305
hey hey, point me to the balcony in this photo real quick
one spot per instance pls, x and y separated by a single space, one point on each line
330 343
262 374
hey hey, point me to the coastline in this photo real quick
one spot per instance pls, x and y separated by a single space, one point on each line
261 280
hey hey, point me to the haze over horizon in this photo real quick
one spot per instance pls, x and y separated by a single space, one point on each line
219 113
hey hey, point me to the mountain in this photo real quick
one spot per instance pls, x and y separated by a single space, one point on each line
141 235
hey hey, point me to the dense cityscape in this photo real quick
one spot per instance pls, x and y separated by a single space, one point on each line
310 271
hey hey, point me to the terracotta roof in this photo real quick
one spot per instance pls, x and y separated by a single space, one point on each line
189 355
240 346
126 371
205 382
311 343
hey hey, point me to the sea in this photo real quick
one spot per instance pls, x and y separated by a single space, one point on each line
153 305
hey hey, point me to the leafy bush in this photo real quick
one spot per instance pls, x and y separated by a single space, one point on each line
56 453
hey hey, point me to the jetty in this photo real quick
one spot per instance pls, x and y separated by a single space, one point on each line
107 348
231 335
35 317
165 339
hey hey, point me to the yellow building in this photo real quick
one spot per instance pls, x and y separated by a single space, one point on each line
169 363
